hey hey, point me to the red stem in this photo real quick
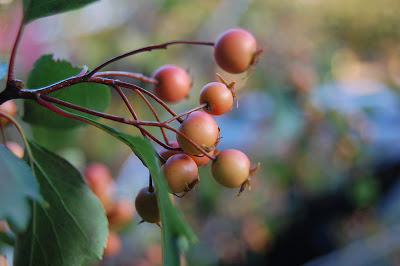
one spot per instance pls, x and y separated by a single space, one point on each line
125 121
10 75
185 113
138 76
144 49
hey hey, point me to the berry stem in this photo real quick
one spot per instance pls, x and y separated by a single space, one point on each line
137 76
10 74
144 49
185 113
3 137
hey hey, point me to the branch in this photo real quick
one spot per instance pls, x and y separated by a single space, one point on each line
144 49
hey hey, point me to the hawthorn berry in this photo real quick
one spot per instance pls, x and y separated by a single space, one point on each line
9 108
99 179
173 83
234 50
201 128
200 159
218 97
165 153
121 213
231 168
147 206
113 244
180 171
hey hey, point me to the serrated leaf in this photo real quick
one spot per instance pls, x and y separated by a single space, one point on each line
3 69
72 227
47 71
17 186
34 9
174 228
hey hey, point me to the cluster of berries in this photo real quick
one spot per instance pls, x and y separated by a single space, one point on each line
197 137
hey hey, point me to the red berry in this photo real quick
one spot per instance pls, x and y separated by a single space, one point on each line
9 108
165 153
201 128
113 244
218 97
234 50
180 171
121 213
173 83
99 179
231 168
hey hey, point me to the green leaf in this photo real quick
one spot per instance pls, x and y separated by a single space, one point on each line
17 186
47 71
72 227
3 69
174 229
34 9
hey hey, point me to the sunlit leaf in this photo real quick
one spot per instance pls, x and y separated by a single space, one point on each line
72 227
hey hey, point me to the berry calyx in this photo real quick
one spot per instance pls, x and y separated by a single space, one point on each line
173 83
9 108
231 168
202 129
181 173
235 50
218 97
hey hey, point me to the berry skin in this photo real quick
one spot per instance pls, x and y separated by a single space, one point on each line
99 179
147 206
180 171
9 108
113 244
201 159
201 128
198 159
234 50
165 153
218 97
121 213
173 83
231 168
15 148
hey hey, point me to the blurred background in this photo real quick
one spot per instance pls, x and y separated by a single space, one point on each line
320 112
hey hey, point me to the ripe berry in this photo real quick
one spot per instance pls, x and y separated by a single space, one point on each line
9 108
218 97
99 179
15 148
201 159
180 171
199 127
173 83
234 50
231 168
113 244
121 213
147 206
165 153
